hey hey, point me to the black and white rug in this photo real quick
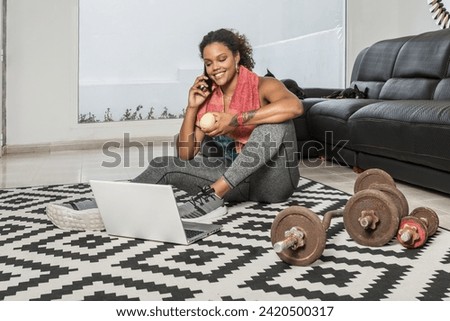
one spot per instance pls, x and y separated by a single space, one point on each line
41 262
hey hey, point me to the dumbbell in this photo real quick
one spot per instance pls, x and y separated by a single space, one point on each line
372 215
416 228
298 235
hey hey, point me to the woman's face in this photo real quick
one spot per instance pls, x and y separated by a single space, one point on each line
220 63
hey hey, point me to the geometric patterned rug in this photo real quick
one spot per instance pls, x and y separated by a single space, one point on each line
38 261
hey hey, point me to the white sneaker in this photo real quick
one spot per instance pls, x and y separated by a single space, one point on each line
203 207
80 216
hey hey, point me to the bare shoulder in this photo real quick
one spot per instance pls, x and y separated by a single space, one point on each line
272 89
269 82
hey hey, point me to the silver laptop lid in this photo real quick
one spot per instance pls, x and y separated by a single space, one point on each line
145 211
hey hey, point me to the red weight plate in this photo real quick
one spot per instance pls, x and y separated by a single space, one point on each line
421 234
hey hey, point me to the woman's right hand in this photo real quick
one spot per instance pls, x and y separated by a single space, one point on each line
198 92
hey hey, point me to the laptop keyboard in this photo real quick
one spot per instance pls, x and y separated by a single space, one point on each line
192 233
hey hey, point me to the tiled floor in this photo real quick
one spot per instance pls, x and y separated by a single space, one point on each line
80 166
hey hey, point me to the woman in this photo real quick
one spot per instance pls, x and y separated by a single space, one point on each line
253 133
252 127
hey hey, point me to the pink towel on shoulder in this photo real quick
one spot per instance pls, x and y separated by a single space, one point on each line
245 98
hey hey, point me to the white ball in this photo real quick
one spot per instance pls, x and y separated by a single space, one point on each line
207 121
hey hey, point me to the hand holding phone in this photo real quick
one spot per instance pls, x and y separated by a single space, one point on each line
208 81
200 91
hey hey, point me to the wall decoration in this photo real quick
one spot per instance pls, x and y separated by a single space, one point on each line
439 12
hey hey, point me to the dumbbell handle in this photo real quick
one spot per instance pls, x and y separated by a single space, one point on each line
408 236
294 239
328 216
282 245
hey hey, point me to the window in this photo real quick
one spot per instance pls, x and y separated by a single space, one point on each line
138 58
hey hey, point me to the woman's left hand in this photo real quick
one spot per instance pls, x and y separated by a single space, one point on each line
222 126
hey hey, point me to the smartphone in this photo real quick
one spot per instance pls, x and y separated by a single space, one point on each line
209 81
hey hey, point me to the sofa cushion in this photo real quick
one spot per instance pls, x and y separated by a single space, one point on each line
331 116
442 91
379 59
412 131
424 56
409 88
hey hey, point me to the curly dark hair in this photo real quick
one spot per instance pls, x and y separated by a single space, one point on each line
234 41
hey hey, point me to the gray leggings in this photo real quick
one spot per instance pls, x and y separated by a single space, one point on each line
266 170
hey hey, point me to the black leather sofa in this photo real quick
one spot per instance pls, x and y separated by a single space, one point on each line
403 126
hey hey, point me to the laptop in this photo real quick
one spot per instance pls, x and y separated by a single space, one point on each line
145 211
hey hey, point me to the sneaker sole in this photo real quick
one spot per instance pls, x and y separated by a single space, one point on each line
69 219
218 212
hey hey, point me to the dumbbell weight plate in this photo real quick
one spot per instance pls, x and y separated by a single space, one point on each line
310 224
428 215
396 195
372 176
384 209
421 230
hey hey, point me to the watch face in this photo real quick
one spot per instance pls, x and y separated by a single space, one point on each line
439 12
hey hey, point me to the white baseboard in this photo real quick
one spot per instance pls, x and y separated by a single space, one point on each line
84 145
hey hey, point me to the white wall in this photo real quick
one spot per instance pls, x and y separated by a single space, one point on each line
369 21
42 57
